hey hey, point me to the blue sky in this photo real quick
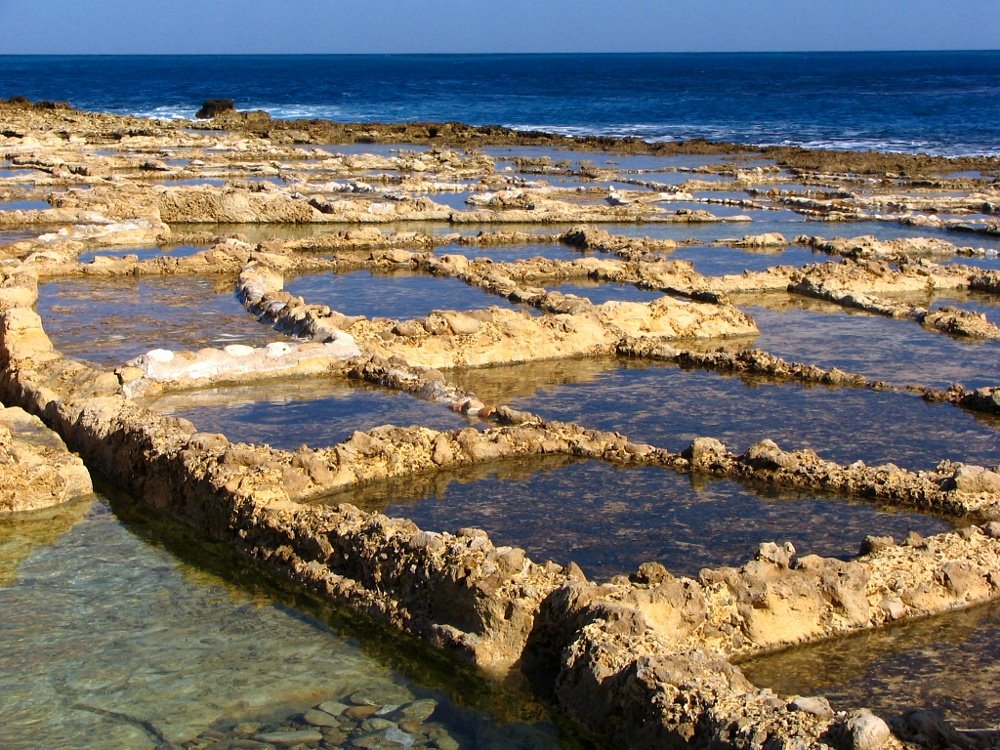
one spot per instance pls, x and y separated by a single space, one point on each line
381 26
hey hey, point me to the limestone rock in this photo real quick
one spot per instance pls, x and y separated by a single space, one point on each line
867 731
213 107
768 239
36 469
976 480
703 452
816 705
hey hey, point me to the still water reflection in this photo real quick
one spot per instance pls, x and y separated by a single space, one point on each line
610 520
318 412
669 406
109 321
946 663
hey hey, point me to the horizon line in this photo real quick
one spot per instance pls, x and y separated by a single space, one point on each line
494 54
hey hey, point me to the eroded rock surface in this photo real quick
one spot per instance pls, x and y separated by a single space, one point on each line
37 469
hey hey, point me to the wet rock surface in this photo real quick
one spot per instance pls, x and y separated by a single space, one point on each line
643 659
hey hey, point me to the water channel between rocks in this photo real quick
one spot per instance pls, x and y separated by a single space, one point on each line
121 629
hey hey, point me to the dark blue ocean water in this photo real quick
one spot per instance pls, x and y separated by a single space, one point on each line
936 102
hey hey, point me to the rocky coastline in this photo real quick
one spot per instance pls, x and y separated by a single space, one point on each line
647 659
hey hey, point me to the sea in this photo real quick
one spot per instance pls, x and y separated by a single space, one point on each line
942 103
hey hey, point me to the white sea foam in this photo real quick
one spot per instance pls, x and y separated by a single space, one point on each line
278 112
850 140
168 112
300 112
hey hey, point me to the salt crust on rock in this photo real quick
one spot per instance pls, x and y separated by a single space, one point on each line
234 363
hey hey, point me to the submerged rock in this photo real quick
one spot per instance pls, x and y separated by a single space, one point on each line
290 738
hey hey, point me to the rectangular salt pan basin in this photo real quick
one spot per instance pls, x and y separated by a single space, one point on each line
924 664
898 351
143 253
668 406
109 321
610 520
723 260
399 296
512 253
599 293
319 413
24 205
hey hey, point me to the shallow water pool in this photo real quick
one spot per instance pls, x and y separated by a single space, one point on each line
25 205
604 160
286 414
192 182
982 304
109 321
898 351
511 253
17 235
610 520
771 221
720 260
143 253
15 173
668 406
601 292
400 296
377 149
987 263
456 200
123 630
944 663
